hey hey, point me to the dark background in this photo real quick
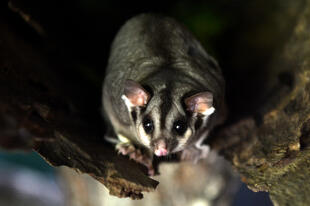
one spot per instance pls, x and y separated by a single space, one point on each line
241 35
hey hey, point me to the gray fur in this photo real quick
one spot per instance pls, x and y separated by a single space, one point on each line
159 52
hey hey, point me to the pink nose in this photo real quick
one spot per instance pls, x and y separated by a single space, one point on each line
161 152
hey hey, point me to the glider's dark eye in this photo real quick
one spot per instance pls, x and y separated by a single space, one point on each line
180 127
148 125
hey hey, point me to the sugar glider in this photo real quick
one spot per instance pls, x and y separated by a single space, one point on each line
162 91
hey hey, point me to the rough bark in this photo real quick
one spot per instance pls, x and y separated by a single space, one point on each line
37 110
270 147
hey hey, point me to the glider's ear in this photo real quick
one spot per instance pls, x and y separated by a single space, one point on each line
134 94
201 103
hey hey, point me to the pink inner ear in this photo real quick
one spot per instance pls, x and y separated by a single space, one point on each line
135 93
199 103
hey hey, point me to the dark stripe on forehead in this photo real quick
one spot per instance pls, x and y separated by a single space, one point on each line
165 107
142 109
157 32
198 123
134 116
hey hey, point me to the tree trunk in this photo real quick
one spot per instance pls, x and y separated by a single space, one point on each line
270 148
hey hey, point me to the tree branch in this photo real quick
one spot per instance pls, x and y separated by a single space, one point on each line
38 110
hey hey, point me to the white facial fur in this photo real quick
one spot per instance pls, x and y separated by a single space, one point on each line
145 138
204 109
183 140
127 102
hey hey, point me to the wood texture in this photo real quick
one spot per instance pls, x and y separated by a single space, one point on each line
270 146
